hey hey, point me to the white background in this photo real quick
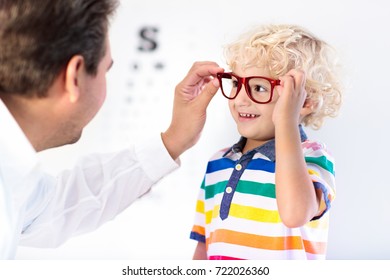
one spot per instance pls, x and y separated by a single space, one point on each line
139 104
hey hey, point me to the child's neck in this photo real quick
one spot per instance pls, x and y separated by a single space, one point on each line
252 144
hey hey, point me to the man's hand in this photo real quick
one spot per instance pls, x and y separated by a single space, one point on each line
192 96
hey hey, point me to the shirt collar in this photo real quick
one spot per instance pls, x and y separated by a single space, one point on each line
267 149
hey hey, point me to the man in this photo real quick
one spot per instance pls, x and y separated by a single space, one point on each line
53 60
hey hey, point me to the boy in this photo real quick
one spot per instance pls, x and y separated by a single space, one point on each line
268 196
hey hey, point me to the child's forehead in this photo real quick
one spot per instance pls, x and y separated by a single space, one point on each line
250 58
251 70
272 66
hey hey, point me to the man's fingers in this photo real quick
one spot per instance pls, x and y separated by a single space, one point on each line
200 70
208 92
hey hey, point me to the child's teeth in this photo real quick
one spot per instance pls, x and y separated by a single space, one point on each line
248 115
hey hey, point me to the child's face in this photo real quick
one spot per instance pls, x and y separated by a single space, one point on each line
254 121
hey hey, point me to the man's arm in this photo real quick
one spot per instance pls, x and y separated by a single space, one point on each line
192 96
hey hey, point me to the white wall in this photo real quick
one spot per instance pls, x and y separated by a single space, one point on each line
139 105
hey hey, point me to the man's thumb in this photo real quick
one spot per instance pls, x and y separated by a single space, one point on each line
208 92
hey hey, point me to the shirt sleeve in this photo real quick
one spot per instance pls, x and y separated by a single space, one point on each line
198 231
98 188
320 164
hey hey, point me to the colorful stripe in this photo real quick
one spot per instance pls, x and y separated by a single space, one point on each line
248 187
322 162
256 241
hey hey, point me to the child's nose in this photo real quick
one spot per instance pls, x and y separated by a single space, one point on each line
242 97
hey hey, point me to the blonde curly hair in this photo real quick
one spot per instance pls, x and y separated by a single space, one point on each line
281 48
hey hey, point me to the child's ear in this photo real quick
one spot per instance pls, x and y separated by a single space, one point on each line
308 108
74 75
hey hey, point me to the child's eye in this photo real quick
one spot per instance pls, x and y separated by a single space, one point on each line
259 88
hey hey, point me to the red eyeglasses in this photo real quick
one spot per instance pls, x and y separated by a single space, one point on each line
259 89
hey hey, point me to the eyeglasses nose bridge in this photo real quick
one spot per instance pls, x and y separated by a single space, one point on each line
242 85
244 81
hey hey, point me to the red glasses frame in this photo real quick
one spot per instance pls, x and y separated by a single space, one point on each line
245 81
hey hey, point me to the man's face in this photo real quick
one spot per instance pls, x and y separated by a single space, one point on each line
91 99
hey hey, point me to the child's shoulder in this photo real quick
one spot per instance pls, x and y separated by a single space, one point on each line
220 154
315 148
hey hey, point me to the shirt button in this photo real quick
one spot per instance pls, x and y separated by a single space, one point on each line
238 167
229 190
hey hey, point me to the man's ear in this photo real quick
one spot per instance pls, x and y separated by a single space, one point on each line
74 76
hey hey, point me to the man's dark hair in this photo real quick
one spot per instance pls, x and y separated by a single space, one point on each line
38 38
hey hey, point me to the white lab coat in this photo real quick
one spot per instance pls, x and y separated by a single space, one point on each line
40 210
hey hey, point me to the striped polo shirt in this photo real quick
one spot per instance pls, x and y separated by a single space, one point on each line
236 211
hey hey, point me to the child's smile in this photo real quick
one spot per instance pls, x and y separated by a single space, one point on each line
248 116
